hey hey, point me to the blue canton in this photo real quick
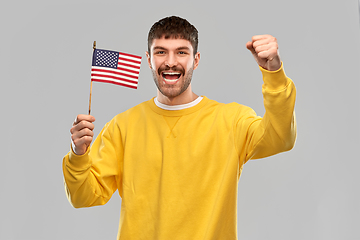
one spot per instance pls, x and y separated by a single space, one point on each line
105 58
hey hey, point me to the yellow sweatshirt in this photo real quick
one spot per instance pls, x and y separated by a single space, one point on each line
177 171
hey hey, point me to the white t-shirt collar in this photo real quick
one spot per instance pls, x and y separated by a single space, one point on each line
177 107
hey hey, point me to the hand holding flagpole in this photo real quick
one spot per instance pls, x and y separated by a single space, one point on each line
109 67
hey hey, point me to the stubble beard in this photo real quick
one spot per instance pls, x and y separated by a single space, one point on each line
170 90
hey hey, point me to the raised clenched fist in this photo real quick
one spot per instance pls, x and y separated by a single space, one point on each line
265 51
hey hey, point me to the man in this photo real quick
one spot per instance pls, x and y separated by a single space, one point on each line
176 159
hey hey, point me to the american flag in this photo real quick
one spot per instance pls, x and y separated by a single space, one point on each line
115 67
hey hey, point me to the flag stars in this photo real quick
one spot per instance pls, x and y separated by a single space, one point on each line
106 58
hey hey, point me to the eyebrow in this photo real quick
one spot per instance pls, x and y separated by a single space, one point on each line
179 48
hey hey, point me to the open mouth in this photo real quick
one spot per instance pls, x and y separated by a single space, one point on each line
171 77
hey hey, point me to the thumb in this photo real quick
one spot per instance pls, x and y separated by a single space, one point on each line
249 45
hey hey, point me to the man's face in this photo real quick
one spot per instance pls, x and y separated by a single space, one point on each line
172 63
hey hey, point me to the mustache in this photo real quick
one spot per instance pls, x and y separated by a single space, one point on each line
175 69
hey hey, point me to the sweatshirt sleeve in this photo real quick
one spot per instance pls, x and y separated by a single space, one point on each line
276 131
92 178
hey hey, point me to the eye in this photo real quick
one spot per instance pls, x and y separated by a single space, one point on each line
182 53
160 52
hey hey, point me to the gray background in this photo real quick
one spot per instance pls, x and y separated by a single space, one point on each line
311 192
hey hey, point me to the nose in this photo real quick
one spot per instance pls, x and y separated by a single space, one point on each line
171 60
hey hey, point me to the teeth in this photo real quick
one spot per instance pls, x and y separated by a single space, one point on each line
171 73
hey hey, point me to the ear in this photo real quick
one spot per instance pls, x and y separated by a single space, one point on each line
148 59
196 60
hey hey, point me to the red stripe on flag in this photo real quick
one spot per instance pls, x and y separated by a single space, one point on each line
127 70
113 82
128 65
130 55
129 60
117 73
93 76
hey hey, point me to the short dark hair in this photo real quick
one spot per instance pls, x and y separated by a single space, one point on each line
174 27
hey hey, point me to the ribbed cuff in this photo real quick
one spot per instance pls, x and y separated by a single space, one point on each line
79 161
274 80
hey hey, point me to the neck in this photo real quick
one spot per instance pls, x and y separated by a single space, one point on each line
186 97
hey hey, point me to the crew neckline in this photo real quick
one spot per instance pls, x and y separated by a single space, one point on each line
176 113
177 107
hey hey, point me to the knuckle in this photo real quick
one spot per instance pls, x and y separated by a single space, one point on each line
88 139
79 142
77 118
258 49
74 137
76 142
89 129
82 124
89 132
86 131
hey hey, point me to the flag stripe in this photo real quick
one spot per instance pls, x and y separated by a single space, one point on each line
98 75
130 58
136 63
130 55
117 83
126 69
130 66
112 80
119 71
